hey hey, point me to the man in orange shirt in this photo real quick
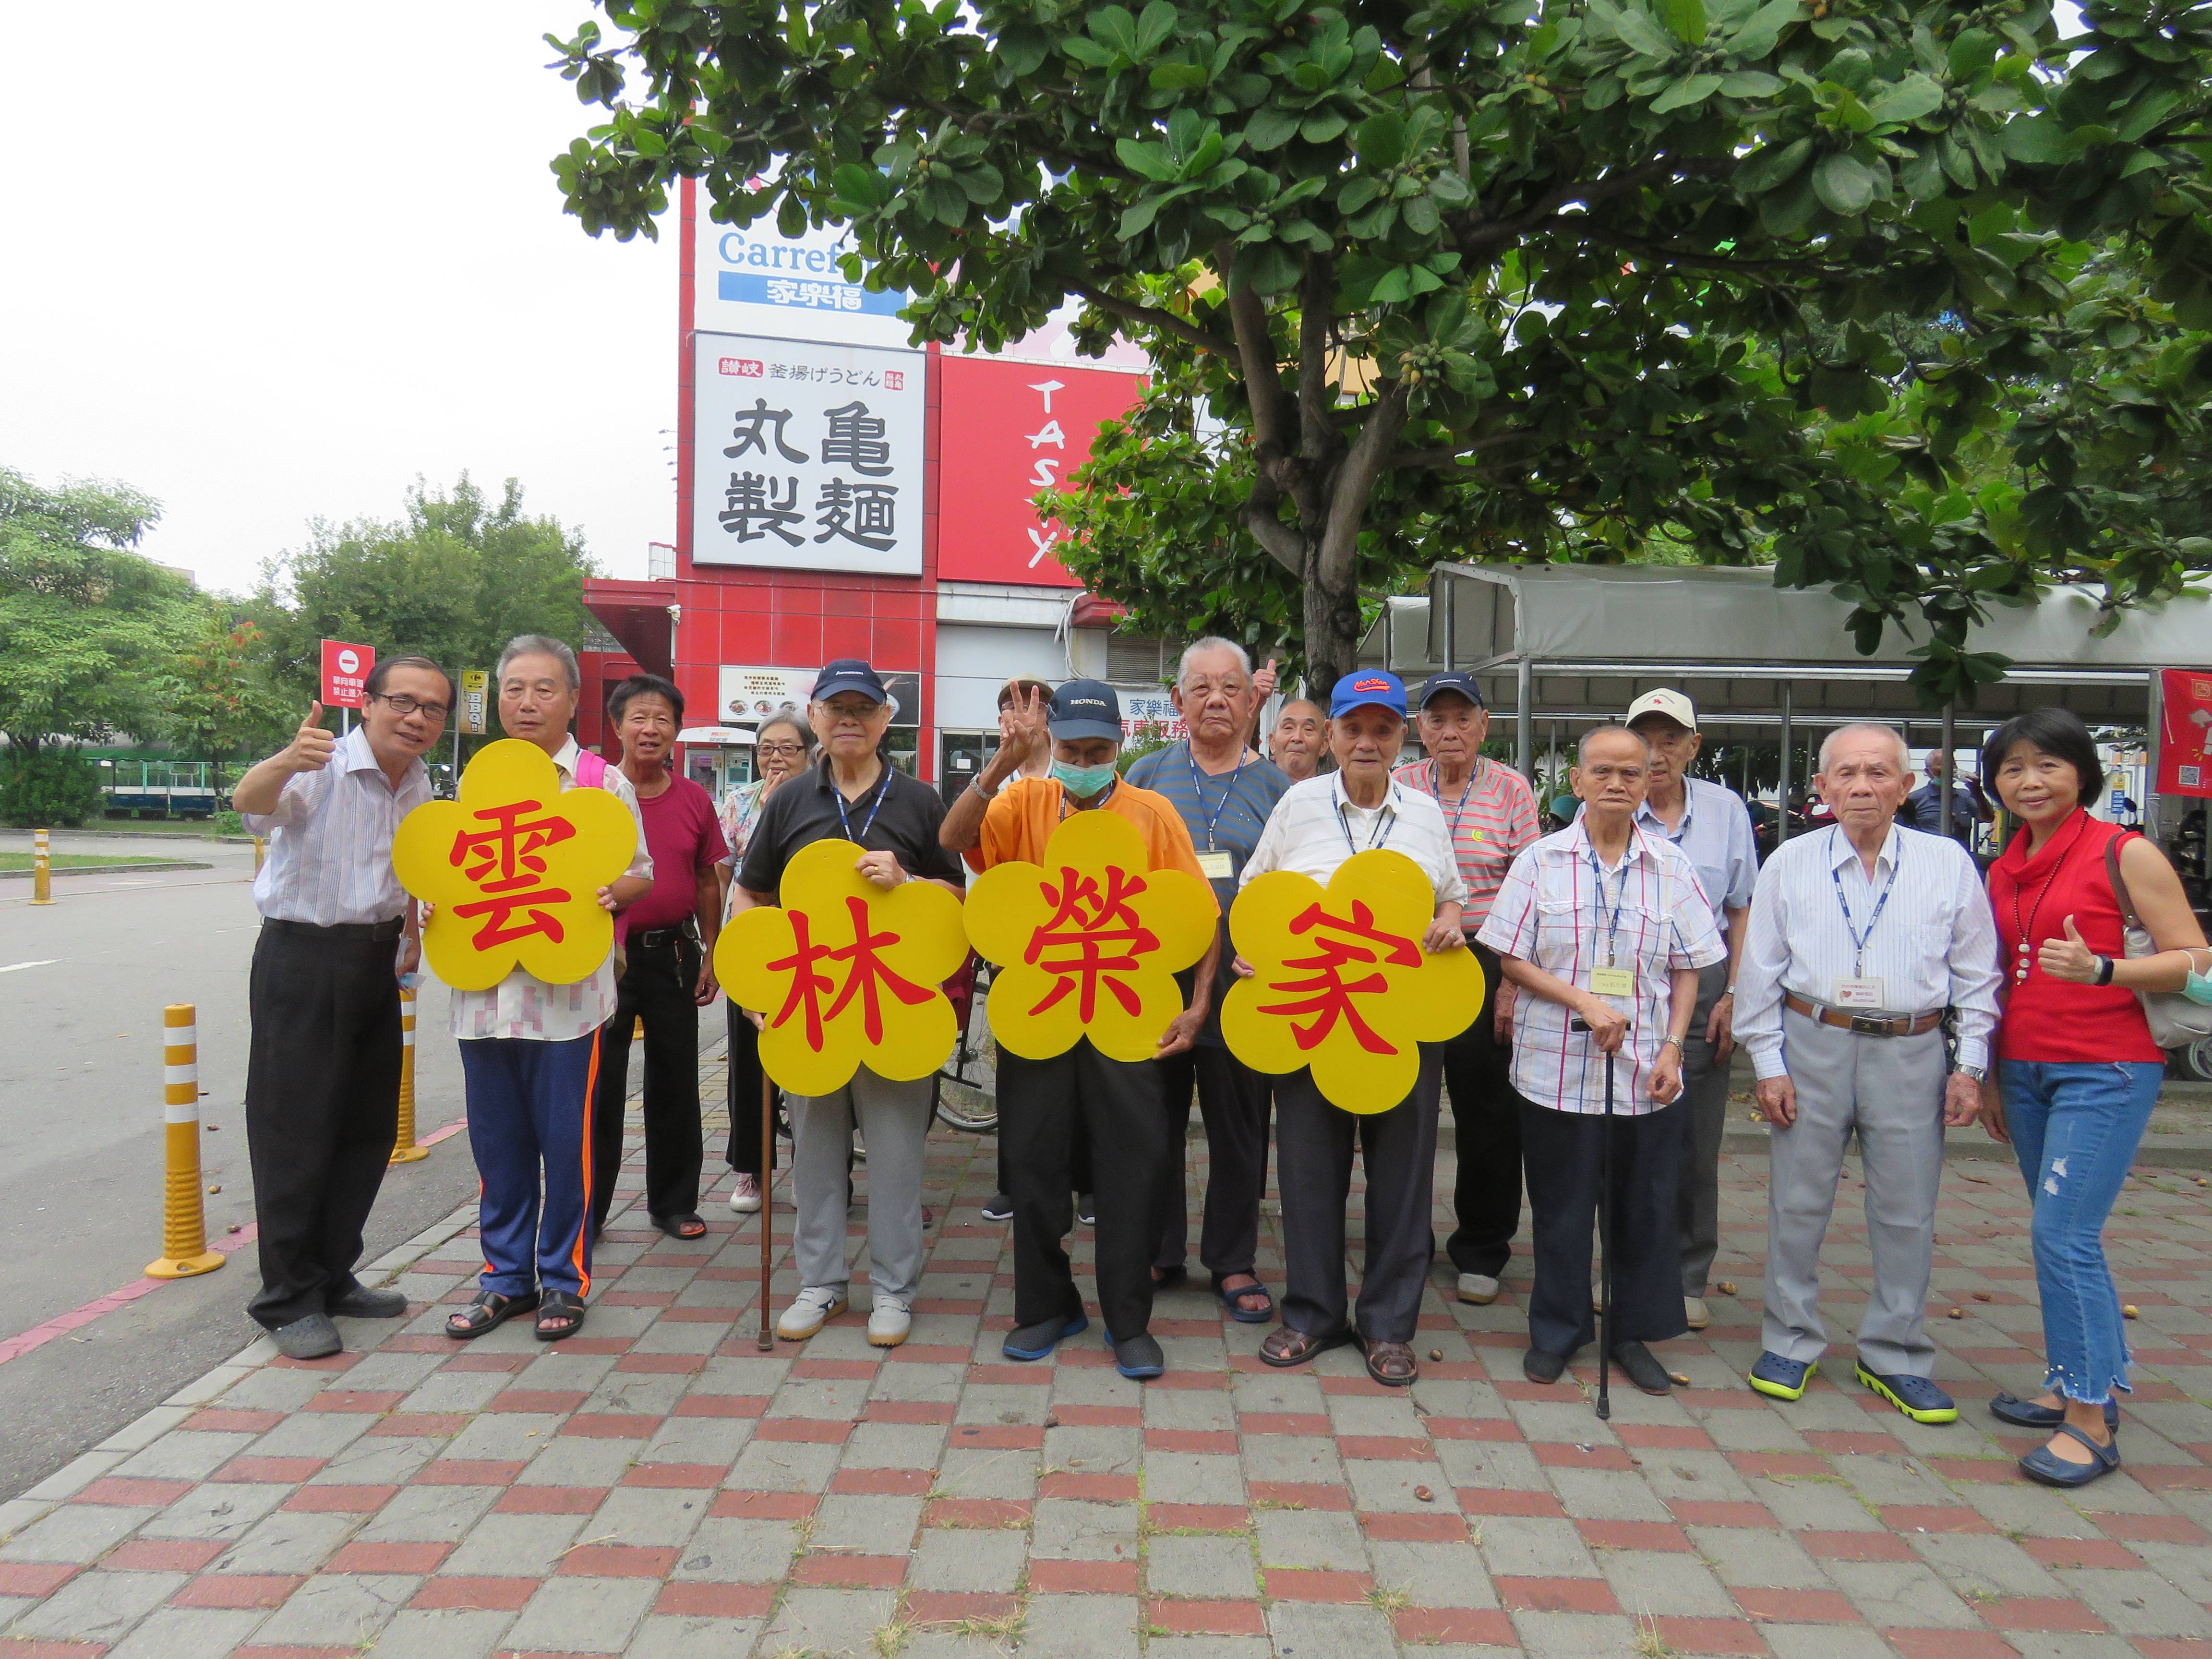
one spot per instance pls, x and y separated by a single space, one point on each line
1044 1105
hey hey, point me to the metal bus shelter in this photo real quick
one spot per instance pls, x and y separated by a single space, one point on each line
1571 645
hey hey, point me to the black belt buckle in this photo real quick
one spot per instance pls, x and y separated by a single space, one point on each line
1867 1025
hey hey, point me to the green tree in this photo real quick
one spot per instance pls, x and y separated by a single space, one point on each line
1439 275
87 626
454 581
220 704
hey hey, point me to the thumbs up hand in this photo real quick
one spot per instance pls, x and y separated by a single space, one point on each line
1264 683
2070 958
312 745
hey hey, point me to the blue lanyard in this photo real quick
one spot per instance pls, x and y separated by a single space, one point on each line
1386 820
838 795
1198 787
1859 939
1620 898
1460 811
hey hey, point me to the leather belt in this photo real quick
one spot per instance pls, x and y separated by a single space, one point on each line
654 938
359 932
1863 1024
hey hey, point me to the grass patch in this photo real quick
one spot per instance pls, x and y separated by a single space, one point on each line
80 860
1649 1644
1389 1598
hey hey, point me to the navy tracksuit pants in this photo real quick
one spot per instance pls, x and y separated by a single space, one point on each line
530 1122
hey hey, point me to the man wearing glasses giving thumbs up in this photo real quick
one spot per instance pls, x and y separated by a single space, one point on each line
322 1081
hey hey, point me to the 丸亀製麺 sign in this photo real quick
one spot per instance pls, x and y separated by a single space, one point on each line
1339 981
513 869
806 457
1088 943
845 974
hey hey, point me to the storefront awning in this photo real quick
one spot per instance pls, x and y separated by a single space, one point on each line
641 615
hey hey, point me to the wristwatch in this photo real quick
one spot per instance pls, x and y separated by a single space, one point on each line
976 784
1979 1073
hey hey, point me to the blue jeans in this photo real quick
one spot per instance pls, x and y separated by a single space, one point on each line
2075 1128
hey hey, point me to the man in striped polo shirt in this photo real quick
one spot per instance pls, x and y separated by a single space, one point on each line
1491 816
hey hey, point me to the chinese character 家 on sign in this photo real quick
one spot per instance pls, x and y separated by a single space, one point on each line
806 457
1339 981
845 974
514 868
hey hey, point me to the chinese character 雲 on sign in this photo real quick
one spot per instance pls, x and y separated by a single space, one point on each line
504 865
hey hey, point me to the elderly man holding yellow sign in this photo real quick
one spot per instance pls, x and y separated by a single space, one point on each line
524 872
1091 901
843 982
1348 992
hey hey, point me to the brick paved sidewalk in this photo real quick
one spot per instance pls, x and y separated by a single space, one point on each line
659 1487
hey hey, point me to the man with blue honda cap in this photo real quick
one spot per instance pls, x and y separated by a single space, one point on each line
1314 828
1045 1106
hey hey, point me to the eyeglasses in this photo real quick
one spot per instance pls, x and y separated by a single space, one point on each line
781 751
403 705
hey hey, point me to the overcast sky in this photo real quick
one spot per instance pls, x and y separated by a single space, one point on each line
269 263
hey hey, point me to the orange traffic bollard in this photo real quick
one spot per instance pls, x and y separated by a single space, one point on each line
184 1218
404 1149
42 869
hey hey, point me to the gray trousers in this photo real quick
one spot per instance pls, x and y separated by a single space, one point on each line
894 1119
1705 1092
1890 1091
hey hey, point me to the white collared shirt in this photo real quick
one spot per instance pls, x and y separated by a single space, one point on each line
524 1005
330 840
1714 835
1935 945
1314 828
1646 913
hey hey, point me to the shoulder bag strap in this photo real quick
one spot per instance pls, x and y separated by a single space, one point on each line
2119 885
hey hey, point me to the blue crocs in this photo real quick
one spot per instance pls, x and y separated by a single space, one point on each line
1918 1397
1780 1378
2047 1468
1036 1341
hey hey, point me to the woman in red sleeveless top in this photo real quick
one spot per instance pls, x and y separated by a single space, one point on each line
2077 1073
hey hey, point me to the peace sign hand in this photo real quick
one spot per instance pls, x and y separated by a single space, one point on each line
312 745
2070 958
1024 725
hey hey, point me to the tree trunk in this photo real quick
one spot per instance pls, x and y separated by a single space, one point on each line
1332 619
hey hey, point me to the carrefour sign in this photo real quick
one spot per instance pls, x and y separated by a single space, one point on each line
758 282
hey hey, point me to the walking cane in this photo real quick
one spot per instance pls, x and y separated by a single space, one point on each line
1605 1252
767 1206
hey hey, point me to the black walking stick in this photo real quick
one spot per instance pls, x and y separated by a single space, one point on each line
1605 1252
768 1207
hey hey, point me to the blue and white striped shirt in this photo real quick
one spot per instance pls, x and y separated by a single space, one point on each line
330 840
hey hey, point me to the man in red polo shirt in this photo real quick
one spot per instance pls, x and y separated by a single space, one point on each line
669 939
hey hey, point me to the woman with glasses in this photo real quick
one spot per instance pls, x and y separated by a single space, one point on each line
781 747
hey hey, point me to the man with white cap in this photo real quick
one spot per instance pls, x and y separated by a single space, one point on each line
1712 826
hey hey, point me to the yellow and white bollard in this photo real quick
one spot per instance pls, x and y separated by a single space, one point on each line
404 1149
184 1217
42 869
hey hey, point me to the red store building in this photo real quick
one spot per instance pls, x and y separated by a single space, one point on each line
840 494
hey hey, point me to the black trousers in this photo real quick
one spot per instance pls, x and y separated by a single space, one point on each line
1562 1150
322 1109
743 1154
1232 1098
1314 1143
659 987
1046 1109
1486 1126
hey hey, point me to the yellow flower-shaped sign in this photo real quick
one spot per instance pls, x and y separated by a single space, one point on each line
515 867
846 973
1339 981
1089 944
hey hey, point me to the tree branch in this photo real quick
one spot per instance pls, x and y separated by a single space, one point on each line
1317 432
1248 315
1355 482
1150 316
1474 236
1447 453
1282 543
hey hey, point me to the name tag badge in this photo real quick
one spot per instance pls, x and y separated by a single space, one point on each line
1216 866
1859 994
1613 982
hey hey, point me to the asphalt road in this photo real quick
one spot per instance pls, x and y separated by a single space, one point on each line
83 984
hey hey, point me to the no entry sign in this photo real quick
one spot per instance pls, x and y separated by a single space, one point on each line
345 673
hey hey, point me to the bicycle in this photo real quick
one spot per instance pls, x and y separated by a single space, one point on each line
964 1093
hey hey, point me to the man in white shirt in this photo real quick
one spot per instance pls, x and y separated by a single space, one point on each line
1604 928
528 1051
322 1080
1313 828
1860 936
1712 826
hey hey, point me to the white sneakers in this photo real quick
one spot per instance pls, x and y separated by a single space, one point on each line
1481 1288
818 1304
745 1194
889 1322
